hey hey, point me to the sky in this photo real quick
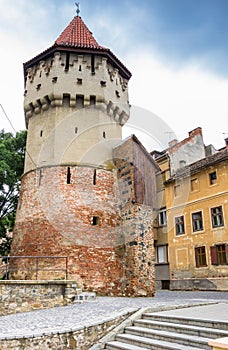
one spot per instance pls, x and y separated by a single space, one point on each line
176 51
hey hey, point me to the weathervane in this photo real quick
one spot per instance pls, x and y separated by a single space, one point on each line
77 5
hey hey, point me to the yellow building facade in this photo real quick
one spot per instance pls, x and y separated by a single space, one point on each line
195 199
197 212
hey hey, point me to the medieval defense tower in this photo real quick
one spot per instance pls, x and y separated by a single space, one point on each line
83 192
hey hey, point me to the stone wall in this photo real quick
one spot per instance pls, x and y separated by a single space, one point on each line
214 284
23 296
82 338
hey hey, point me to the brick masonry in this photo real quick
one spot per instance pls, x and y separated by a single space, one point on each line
101 220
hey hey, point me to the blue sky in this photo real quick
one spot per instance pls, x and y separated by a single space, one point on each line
176 50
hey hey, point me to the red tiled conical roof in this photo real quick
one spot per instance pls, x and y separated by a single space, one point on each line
77 34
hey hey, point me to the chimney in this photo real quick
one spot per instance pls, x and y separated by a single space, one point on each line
226 142
172 143
195 131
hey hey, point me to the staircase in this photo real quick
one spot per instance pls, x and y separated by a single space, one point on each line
156 331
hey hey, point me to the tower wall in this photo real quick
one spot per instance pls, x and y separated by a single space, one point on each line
79 219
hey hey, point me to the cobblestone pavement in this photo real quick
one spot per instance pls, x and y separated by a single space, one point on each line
75 316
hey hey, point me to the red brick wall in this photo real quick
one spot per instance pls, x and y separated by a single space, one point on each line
114 257
55 218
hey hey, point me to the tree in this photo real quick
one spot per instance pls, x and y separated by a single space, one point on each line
12 154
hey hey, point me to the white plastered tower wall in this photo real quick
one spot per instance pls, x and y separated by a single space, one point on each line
71 106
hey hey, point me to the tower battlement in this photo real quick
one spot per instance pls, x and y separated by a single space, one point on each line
79 80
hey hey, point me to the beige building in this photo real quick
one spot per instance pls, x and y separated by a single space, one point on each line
193 245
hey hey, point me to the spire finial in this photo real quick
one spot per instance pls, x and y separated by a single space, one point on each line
77 6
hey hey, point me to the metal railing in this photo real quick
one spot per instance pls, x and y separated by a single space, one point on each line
33 266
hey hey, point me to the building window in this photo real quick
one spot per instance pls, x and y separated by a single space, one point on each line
41 133
92 100
162 219
95 177
79 101
179 224
213 178
162 254
177 190
104 135
200 255
95 220
68 175
217 217
197 221
219 254
194 184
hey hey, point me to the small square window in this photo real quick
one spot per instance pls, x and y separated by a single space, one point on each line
200 256
95 220
179 225
197 221
213 178
217 217
194 184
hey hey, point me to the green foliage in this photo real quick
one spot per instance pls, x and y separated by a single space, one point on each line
12 154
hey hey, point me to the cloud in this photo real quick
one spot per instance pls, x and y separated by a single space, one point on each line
185 98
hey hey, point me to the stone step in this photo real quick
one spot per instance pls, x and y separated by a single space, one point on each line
133 342
182 328
222 325
174 337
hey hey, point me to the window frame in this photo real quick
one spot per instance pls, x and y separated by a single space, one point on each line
162 217
201 257
220 215
196 229
177 224
216 254
213 181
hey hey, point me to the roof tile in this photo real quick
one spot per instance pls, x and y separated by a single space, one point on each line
77 34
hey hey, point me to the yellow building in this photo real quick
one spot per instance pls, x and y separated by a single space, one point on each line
196 203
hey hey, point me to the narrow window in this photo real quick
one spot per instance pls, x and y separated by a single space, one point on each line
67 61
40 73
162 254
104 134
200 256
221 253
162 219
76 130
96 220
213 178
92 64
117 93
197 221
41 133
68 175
66 100
79 101
95 177
79 68
217 217
179 224
92 100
